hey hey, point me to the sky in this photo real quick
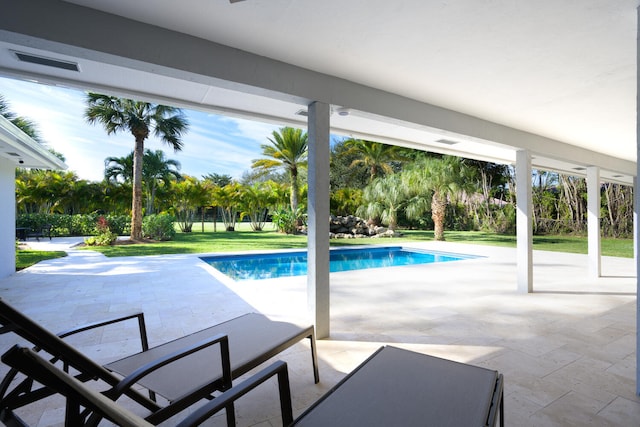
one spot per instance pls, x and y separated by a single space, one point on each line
213 144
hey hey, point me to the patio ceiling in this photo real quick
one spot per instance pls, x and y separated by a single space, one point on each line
478 79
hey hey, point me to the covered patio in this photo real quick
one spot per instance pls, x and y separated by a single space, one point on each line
567 351
535 85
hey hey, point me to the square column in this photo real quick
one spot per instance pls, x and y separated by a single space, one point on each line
593 221
636 206
636 252
8 215
524 227
318 290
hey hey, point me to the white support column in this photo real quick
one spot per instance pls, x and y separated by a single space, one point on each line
524 225
636 250
636 206
593 221
636 246
318 290
635 217
8 215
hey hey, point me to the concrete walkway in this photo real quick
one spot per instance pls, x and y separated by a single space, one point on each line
567 351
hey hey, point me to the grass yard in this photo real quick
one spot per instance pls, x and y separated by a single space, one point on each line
26 258
245 239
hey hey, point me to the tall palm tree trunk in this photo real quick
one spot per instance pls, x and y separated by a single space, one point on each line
438 209
295 190
136 206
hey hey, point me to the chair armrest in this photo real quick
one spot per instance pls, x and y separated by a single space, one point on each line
227 398
144 341
76 393
120 388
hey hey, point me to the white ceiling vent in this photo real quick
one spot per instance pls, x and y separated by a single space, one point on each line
49 62
304 113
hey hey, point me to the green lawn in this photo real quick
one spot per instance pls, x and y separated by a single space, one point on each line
572 244
26 258
245 239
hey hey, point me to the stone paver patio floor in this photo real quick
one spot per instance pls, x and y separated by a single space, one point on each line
567 351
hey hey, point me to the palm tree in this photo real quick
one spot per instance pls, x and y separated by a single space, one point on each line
116 197
279 193
119 167
218 179
187 195
141 119
444 177
255 201
157 169
345 201
45 191
384 198
288 150
374 155
227 198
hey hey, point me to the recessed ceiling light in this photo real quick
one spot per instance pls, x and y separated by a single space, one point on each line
343 111
447 142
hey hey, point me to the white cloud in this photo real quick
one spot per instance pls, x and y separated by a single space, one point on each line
213 144
256 131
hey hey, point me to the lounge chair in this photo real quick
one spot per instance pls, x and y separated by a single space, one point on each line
392 387
182 371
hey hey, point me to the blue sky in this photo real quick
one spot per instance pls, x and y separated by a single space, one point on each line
214 144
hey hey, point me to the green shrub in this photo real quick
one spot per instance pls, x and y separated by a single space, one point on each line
37 221
120 224
104 236
287 221
105 239
74 225
83 225
158 227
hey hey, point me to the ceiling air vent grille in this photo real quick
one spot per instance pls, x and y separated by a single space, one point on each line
304 113
49 62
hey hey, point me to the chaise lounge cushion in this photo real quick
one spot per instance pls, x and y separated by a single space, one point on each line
253 339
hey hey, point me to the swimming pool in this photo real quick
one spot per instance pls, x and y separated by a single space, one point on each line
273 265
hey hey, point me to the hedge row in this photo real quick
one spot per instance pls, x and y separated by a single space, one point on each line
74 225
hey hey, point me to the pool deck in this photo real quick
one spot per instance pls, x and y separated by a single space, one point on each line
567 351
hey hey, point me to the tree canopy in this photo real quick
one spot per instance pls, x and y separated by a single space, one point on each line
141 119
287 150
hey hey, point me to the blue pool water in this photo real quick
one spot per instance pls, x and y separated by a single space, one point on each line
273 265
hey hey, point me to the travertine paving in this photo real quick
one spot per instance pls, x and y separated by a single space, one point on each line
567 351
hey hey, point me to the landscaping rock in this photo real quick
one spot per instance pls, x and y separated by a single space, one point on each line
350 226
